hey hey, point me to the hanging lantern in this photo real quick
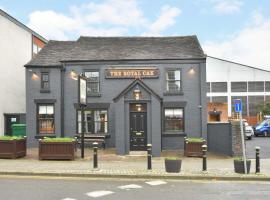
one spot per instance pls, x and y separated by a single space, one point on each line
137 93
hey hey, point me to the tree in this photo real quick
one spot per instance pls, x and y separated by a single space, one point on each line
265 109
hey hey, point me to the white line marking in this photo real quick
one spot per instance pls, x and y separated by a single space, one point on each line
99 193
131 186
68 199
153 183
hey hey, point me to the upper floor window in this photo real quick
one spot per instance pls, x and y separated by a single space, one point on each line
256 86
239 86
45 81
219 87
173 81
92 82
36 48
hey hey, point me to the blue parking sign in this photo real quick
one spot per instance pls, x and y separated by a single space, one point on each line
237 105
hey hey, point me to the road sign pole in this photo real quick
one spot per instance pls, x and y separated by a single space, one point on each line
243 142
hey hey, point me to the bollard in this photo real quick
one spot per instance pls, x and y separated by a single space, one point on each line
204 150
257 170
149 156
95 155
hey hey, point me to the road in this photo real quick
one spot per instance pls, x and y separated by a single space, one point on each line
263 142
13 188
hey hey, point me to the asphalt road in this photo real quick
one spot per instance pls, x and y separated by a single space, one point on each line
263 142
70 189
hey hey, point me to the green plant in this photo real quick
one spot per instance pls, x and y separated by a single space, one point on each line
264 108
172 158
195 139
58 139
11 137
239 159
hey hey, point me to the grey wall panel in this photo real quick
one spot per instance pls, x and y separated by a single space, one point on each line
219 138
194 94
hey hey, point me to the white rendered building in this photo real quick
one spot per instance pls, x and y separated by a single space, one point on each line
228 80
18 44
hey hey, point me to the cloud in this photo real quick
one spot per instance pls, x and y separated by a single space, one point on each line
108 18
227 6
164 21
249 46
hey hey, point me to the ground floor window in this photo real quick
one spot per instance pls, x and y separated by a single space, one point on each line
96 121
45 119
174 119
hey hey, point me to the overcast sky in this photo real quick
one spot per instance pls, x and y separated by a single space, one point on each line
237 30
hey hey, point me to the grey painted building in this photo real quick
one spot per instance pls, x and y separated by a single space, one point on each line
140 90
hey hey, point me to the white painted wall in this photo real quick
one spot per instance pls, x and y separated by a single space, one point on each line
223 71
15 52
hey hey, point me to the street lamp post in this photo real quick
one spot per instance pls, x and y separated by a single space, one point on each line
82 100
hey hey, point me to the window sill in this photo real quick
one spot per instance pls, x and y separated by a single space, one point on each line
94 95
45 135
173 93
45 91
173 134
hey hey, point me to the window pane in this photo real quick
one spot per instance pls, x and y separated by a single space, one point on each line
173 86
92 76
239 86
208 87
46 119
95 121
42 109
92 82
267 86
173 75
256 86
219 86
254 103
45 77
92 87
174 120
219 99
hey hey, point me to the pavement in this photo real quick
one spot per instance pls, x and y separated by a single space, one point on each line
133 189
111 165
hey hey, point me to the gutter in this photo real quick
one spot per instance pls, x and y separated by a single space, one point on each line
62 109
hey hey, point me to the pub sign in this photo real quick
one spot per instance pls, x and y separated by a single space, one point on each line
132 72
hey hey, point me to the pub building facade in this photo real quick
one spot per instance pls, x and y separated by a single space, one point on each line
140 90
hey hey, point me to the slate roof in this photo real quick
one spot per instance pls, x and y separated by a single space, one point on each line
118 48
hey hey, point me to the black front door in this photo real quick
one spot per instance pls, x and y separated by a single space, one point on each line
9 120
138 131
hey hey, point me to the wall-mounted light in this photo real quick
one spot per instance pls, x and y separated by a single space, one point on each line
139 107
137 93
191 71
73 75
34 75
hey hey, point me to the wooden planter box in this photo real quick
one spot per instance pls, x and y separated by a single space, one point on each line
56 150
13 148
193 149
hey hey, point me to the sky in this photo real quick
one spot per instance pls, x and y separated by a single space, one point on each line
236 30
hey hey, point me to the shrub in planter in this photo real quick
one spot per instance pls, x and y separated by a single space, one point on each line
193 146
57 149
239 166
173 164
12 146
